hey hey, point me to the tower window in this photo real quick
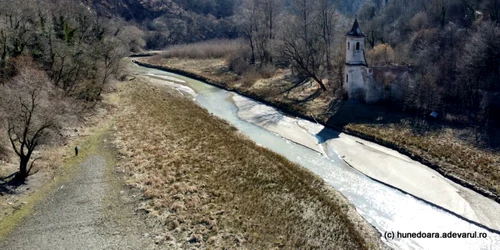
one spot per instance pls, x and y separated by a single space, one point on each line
348 45
346 78
357 46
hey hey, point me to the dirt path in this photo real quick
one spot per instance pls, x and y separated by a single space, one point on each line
91 211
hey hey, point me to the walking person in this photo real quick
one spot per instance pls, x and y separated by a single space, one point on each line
76 151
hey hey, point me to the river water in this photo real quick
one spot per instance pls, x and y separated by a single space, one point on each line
387 209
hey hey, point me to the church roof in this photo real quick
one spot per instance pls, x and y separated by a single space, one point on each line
355 30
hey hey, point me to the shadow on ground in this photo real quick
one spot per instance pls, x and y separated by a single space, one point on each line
344 113
9 184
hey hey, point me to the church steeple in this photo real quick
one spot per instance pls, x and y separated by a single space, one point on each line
355 46
355 30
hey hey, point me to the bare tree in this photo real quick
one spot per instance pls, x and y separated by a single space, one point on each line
30 116
308 39
258 22
248 24
111 52
133 37
326 23
270 11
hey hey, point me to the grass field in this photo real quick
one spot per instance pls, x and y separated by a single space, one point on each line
213 188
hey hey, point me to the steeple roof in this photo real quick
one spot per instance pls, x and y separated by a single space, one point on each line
355 30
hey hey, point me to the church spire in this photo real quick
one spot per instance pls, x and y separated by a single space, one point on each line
355 30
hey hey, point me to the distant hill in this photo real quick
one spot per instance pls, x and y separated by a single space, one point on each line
168 22
140 10
136 9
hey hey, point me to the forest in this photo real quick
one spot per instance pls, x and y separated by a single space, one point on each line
454 47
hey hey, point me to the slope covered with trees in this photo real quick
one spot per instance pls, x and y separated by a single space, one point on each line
55 59
454 47
168 22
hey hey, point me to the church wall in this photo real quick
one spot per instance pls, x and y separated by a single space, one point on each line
354 56
355 82
361 85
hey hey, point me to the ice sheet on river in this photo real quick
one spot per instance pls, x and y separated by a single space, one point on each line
378 162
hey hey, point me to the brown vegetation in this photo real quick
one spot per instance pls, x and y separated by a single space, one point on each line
470 164
381 54
212 187
212 49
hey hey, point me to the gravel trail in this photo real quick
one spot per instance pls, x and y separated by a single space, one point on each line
92 211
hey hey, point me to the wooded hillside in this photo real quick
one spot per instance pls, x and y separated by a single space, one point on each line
55 60
454 46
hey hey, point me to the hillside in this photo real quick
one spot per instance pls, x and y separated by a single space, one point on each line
136 10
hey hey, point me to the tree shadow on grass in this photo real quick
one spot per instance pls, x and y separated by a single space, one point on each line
298 100
292 82
9 184
345 112
305 99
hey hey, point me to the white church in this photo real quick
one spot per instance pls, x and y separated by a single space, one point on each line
364 83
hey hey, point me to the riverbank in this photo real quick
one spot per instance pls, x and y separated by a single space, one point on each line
213 187
466 163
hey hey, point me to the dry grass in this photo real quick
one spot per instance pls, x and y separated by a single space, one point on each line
213 188
212 49
275 86
444 149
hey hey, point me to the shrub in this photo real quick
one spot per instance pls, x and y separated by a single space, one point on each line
212 49
381 54
238 63
267 71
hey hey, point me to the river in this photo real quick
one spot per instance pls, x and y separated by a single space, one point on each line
387 209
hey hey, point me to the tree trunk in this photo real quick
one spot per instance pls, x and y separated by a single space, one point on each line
319 82
23 170
252 47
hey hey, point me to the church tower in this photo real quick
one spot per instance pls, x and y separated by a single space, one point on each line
355 61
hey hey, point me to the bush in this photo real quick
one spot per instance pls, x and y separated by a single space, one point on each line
381 54
267 71
156 40
250 77
213 49
238 63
